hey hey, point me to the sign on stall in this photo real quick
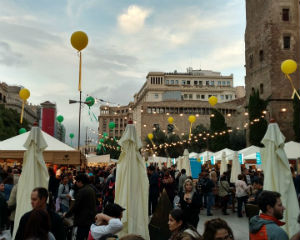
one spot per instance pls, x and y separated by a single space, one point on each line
241 158
195 167
258 158
202 160
212 160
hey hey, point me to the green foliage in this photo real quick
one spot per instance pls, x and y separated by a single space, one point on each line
218 124
10 123
201 145
237 140
296 119
114 152
258 129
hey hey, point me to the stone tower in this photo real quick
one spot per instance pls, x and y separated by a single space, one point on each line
272 36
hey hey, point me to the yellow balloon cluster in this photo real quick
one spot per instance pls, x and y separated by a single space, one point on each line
192 118
150 136
288 66
24 94
170 120
79 40
213 100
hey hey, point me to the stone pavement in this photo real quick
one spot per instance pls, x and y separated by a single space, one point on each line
239 226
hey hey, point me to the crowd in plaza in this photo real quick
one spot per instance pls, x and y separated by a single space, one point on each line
84 200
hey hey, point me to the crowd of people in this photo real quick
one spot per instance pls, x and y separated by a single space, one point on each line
82 202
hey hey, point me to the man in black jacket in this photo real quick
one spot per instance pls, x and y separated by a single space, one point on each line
39 198
84 208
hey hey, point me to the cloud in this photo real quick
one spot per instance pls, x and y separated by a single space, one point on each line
75 8
133 19
8 57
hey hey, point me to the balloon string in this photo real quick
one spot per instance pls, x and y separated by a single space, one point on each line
79 84
22 112
292 84
176 127
190 131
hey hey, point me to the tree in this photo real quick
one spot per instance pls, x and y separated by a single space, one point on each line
258 129
218 124
159 137
109 146
201 144
237 140
10 123
296 119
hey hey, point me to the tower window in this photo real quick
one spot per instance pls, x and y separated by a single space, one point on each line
286 42
251 61
261 88
285 14
261 55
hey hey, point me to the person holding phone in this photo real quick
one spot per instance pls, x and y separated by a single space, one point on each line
190 203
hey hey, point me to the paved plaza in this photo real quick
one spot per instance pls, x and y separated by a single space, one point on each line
239 226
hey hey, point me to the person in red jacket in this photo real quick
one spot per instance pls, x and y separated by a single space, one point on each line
267 225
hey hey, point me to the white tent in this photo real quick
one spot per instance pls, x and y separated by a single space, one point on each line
250 152
193 155
292 150
223 164
98 158
228 154
57 152
206 155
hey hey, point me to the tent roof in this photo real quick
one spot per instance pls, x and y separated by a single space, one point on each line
250 152
229 154
16 143
292 150
98 158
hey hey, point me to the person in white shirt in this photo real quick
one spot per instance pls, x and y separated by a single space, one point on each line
241 194
108 222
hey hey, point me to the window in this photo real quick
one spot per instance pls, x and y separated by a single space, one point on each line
228 83
177 82
261 55
285 14
190 96
202 96
222 97
183 82
230 97
261 88
251 60
286 42
148 110
195 82
200 83
167 81
212 83
172 81
198 96
207 83
223 83
226 97
188 82
156 95
219 83
0 96
185 95
209 96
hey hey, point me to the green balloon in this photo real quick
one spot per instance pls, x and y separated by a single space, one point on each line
118 148
105 134
71 135
112 125
90 101
101 140
60 118
22 130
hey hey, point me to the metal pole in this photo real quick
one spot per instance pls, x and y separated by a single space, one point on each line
79 121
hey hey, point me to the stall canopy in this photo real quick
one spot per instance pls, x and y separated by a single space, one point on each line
249 153
228 154
57 152
205 155
95 159
292 150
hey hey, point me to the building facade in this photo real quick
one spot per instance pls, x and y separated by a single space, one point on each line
272 36
178 95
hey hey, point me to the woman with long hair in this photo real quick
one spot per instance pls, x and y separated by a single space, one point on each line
190 203
38 226
179 227
217 229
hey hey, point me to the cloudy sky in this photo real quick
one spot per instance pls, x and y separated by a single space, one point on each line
127 39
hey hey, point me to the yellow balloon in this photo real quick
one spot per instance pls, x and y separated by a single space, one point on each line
288 66
24 94
170 120
79 40
198 160
192 118
213 100
150 136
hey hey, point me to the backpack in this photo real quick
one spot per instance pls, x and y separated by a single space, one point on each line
203 185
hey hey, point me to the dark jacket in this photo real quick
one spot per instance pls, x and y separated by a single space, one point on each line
154 185
191 211
264 227
57 227
84 208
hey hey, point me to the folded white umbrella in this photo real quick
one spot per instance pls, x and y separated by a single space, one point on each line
169 163
34 173
132 185
186 163
223 164
278 177
179 163
235 168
